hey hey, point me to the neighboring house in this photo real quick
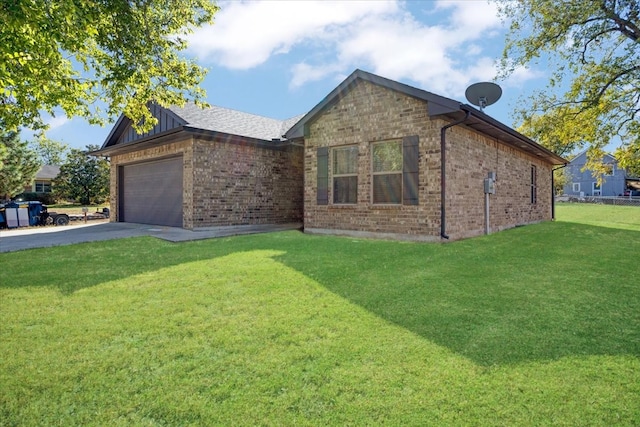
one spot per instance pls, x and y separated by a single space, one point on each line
374 166
43 179
203 168
366 161
582 183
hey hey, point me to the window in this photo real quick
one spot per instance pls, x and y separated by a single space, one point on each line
609 169
345 175
43 187
576 187
387 172
395 171
534 186
596 189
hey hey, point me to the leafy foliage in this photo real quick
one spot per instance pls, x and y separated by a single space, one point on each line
49 151
18 164
594 50
83 177
73 54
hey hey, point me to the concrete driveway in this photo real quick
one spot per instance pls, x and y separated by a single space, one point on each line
41 237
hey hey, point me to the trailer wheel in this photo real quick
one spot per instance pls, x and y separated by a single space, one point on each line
61 219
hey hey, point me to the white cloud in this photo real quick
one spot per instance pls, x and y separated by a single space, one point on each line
246 34
443 53
56 122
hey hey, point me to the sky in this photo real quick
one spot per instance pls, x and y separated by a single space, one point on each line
280 58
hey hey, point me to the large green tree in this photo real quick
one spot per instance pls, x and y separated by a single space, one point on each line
18 165
49 151
71 54
593 95
83 178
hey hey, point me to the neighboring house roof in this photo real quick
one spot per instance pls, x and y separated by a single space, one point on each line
48 172
438 106
214 119
582 158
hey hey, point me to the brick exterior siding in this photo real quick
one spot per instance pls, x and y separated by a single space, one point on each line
227 183
236 184
369 113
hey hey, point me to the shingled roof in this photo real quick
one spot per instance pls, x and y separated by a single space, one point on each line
192 118
233 122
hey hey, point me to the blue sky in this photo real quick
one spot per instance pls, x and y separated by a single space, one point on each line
280 58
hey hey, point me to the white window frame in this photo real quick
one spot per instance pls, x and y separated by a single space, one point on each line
576 187
594 189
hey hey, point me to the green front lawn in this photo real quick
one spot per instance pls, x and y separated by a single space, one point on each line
538 325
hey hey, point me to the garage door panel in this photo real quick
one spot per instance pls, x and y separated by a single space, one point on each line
152 192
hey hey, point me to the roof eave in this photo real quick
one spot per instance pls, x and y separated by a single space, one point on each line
513 137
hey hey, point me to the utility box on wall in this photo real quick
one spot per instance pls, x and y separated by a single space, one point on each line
489 186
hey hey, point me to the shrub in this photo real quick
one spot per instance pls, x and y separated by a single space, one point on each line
46 198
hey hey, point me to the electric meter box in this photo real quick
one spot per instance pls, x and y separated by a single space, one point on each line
489 186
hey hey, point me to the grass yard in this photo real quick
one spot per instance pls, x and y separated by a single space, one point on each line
538 325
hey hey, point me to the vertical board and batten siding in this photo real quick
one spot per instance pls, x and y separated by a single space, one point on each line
166 121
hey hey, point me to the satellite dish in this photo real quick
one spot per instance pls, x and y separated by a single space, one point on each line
483 94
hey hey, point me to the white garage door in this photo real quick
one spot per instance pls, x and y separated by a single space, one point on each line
151 192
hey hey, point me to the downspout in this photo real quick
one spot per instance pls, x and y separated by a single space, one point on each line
443 173
553 191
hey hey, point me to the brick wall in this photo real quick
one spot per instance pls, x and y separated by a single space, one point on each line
228 183
370 113
470 157
235 184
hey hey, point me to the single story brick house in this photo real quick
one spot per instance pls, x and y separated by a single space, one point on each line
366 161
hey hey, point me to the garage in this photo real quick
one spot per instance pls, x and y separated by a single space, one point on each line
151 192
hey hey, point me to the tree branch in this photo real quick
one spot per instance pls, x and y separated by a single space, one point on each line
625 26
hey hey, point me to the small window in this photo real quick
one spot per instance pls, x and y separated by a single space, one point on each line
345 175
609 170
596 189
534 185
576 187
43 187
387 172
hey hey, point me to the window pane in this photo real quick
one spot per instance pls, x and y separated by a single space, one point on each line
345 160
345 189
387 157
387 188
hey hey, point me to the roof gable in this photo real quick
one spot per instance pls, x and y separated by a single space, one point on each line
124 133
437 104
191 117
440 106
581 158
